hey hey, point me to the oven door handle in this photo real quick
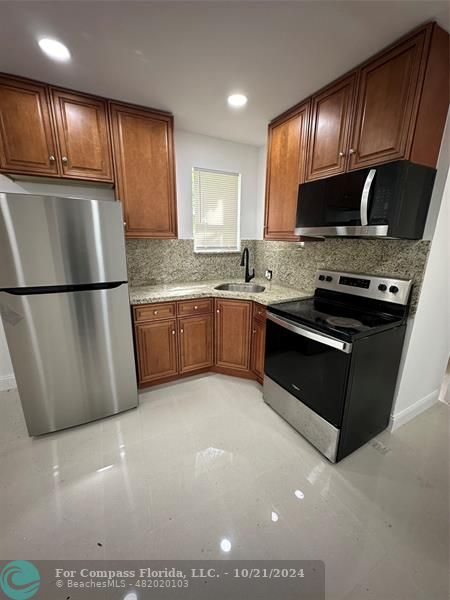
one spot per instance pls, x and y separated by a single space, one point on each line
309 333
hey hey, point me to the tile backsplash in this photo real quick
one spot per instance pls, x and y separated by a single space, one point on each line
295 266
166 261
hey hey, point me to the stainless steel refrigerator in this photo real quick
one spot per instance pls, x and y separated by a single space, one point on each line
65 308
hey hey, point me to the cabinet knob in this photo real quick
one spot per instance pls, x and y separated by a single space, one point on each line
195 307
155 312
341 153
124 223
64 159
173 331
181 330
254 331
217 311
351 151
51 158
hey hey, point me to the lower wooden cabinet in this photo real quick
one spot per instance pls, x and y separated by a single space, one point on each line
156 344
196 343
229 340
232 320
258 342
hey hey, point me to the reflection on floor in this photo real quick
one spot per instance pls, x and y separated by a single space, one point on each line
204 469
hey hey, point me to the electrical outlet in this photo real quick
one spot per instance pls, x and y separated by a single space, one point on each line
268 275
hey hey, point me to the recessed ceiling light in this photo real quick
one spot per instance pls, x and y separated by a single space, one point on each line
54 49
237 100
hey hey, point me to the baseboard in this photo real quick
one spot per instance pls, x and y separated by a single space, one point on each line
408 413
7 382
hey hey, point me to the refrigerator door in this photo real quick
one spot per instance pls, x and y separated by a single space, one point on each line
49 241
72 355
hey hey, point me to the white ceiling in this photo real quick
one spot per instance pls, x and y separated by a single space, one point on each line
186 57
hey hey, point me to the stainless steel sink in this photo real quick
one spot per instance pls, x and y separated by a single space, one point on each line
252 288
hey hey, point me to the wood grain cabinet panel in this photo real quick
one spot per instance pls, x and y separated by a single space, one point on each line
285 170
232 333
258 348
331 114
195 307
388 94
196 343
27 141
156 344
145 171
154 312
83 135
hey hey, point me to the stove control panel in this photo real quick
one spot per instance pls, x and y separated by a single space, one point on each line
377 287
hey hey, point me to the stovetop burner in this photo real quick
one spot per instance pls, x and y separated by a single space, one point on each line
350 306
344 322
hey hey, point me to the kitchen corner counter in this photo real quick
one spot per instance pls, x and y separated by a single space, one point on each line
273 294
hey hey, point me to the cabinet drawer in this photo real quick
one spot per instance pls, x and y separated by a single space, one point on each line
259 311
195 307
154 312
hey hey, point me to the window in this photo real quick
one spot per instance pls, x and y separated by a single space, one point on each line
216 199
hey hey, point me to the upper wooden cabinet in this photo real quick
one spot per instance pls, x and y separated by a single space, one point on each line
27 141
285 170
331 114
388 94
83 135
392 107
145 170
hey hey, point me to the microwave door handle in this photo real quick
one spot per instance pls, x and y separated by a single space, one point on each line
365 197
309 333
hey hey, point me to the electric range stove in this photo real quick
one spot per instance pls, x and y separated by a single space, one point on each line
331 361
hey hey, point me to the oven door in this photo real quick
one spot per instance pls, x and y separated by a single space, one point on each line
310 365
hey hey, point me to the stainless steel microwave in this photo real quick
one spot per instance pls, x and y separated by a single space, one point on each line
390 201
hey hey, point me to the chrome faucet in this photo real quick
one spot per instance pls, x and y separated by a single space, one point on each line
244 262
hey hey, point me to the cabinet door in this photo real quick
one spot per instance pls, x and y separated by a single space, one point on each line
145 172
258 348
156 345
27 142
331 113
196 346
386 107
83 135
285 170
232 330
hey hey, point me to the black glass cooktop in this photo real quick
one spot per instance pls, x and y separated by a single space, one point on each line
343 321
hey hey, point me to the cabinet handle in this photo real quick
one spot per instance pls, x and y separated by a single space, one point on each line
254 331
51 158
173 331
341 153
351 151
64 159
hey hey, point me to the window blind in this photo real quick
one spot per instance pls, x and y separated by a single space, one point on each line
216 199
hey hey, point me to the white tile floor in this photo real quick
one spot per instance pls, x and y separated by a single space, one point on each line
205 460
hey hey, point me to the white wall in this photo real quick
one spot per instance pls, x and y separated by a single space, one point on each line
60 189
194 150
427 345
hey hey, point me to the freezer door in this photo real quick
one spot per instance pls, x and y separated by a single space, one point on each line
72 355
46 241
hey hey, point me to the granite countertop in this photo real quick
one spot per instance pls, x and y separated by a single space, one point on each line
273 294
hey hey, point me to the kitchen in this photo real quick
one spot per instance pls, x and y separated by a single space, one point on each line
203 455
